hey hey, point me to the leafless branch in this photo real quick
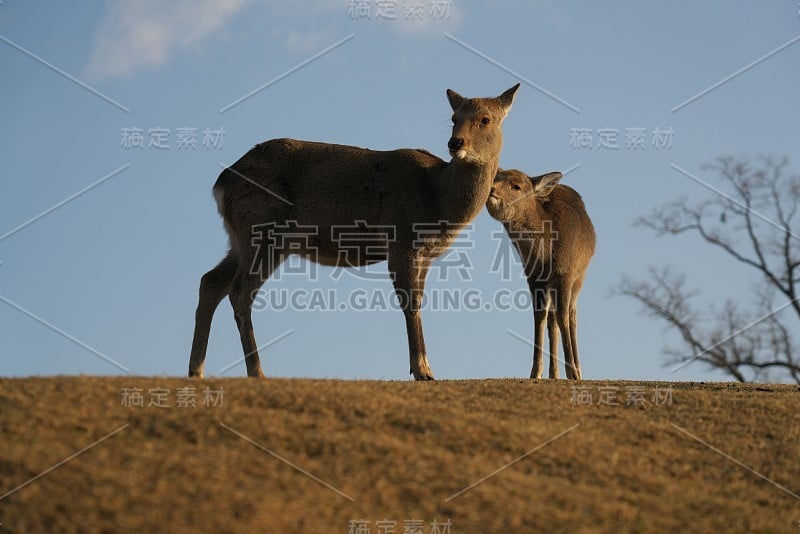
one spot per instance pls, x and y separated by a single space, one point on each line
753 223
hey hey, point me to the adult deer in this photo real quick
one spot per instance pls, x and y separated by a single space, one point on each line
549 226
284 182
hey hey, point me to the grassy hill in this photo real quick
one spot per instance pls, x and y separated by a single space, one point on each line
290 455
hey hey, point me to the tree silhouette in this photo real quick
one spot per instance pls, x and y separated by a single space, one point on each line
753 222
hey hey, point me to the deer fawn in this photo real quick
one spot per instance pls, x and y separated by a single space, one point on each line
326 186
554 236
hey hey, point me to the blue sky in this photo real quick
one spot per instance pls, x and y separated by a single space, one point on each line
117 267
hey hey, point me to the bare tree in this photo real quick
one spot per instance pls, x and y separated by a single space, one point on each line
753 222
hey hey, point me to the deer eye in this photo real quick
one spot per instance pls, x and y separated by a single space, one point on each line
485 121
516 187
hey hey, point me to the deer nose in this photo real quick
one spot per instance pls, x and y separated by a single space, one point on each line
455 143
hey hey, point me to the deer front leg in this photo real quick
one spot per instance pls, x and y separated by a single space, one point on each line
540 308
409 285
420 367
552 330
539 324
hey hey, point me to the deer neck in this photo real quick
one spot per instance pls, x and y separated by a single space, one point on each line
464 188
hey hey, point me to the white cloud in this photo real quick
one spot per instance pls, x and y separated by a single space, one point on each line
146 33
137 34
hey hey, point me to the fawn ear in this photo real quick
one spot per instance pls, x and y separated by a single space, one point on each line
507 98
455 99
543 185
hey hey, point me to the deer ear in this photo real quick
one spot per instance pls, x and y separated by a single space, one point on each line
455 99
543 185
507 98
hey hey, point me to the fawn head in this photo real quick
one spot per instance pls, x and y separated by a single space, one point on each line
512 190
477 137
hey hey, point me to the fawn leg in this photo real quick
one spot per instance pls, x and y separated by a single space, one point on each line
564 299
552 330
540 309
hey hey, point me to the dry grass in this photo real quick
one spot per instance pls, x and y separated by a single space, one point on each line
399 449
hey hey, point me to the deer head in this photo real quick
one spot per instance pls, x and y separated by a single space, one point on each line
477 136
511 188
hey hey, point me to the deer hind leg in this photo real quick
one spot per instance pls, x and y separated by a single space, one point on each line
573 334
573 327
409 285
552 330
541 305
249 277
564 300
214 286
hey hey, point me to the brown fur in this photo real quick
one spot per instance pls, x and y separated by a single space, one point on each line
322 185
550 228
